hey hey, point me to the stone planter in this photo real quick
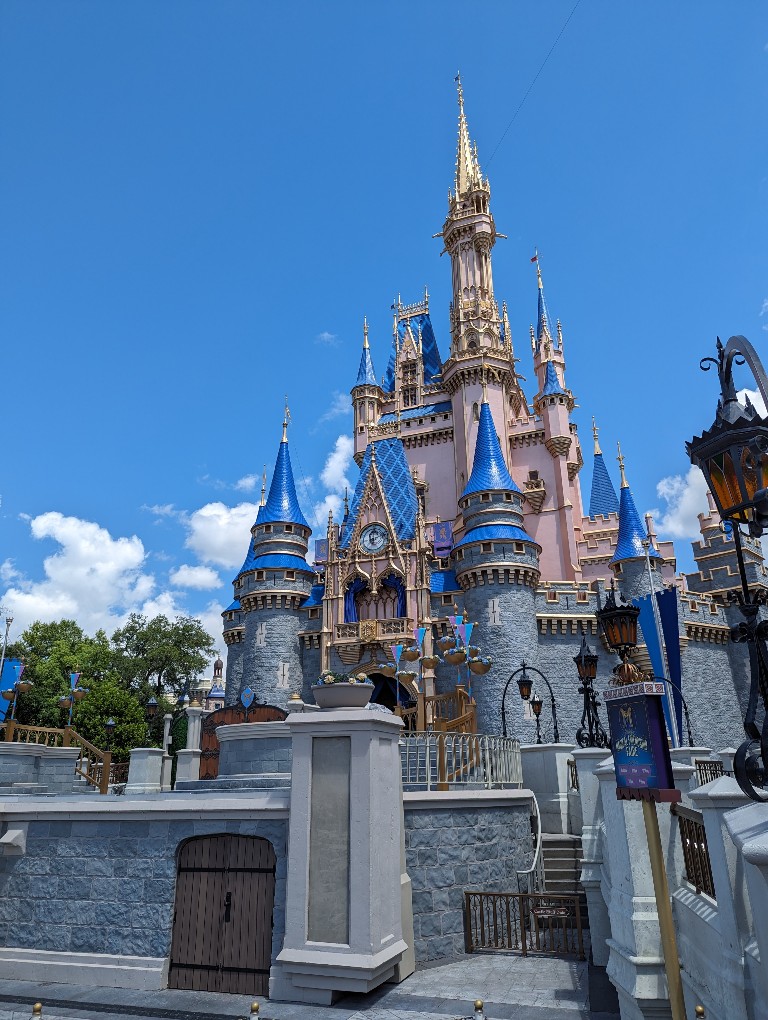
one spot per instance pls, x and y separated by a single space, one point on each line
342 695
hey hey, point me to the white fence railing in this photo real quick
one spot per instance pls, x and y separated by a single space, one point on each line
443 761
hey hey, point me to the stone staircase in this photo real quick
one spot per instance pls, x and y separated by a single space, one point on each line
561 855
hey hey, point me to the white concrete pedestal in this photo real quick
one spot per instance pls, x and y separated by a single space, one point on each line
545 771
144 770
343 929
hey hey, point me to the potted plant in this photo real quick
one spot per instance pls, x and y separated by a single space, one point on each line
341 690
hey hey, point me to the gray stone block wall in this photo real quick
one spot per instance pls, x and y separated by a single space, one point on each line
234 675
109 886
451 850
255 757
271 652
709 690
48 771
508 642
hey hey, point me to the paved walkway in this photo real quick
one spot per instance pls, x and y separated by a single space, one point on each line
513 988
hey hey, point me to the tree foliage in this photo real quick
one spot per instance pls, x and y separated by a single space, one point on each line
145 658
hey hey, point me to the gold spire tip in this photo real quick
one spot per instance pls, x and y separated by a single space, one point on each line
595 431
365 331
286 419
620 459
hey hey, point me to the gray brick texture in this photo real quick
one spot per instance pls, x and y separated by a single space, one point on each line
109 886
449 851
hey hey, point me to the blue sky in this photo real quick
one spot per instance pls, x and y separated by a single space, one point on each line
200 199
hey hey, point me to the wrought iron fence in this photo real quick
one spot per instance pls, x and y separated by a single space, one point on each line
443 761
523 923
693 838
708 769
573 775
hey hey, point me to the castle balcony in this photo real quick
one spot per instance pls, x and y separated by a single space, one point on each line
368 631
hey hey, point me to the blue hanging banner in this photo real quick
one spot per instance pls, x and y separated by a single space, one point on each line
651 639
667 603
73 678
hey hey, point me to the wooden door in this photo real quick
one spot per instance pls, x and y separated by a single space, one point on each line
222 925
209 744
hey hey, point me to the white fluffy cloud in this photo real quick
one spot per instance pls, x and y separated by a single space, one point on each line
685 497
755 398
201 578
329 339
334 477
219 534
247 483
92 578
340 404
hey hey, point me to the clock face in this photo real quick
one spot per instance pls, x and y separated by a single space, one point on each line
374 538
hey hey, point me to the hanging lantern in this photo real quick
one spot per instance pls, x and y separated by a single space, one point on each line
619 623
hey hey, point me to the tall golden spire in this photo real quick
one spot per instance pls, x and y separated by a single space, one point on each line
467 168
286 419
595 431
264 486
620 459
365 331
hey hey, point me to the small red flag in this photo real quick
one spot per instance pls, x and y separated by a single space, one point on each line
535 258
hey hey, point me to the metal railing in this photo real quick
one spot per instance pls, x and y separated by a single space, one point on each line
455 712
573 775
531 880
374 630
444 761
523 923
693 839
708 769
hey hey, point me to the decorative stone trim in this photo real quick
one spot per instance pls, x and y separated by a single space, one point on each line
475 577
532 438
535 493
235 636
713 633
558 446
310 639
273 600
426 438
562 623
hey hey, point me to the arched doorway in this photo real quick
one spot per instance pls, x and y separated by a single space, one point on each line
222 923
209 744
385 692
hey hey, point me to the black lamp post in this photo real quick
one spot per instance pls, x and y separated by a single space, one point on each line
733 456
525 686
536 706
619 623
591 732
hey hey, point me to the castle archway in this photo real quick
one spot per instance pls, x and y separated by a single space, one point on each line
385 691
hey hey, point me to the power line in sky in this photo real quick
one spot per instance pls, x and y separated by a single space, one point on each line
535 79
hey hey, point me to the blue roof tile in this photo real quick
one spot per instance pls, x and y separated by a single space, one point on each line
489 470
443 581
430 354
315 596
217 691
399 490
551 382
235 607
365 374
279 561
631 531
444 407
282 503
488 532
602 499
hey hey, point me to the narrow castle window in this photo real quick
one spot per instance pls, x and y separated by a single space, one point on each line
289 529
259 575
314 614
447 600
476 411
290 575
487 547
267 529
553 596
519 547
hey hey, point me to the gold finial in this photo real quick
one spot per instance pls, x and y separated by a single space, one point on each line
538 277
346 500
595 431
483 380
264 486
37 1009
699 1011
254 1008
365 331
533 339
559 335
620 459
479 1004
460 90
286 419
426 298
294 697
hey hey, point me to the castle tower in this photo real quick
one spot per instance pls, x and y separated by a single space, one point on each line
603 500
271 586
497 566
481 342
629 560
366 398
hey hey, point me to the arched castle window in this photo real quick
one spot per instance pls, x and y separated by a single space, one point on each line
409 389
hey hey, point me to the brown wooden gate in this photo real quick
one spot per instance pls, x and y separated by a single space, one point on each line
209 758
222 924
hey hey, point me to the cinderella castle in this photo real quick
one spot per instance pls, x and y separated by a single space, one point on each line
469 504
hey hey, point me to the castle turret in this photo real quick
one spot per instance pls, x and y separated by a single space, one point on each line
629 560
497 566
603 500
271 586
366 398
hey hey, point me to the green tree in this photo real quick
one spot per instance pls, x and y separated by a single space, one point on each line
161 655
108 699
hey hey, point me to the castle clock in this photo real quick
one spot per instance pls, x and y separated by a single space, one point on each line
374 538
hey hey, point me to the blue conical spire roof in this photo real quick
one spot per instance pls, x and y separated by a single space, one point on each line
543 323
603 499
631 531
489 470
282 503
552 385
365 374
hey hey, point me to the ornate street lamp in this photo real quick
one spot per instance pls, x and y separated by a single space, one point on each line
76 694
733 456
536 706
109 727
591 732
525 686
19 687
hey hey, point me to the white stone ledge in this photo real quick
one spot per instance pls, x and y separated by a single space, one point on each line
97 969
170 806
425 800
247 731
